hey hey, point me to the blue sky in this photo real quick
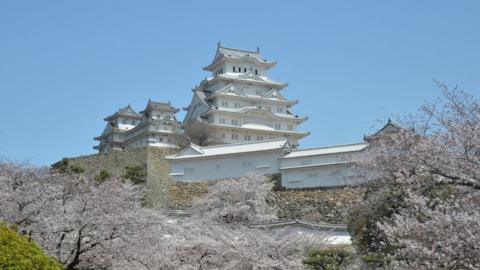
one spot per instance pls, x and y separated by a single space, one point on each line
64 65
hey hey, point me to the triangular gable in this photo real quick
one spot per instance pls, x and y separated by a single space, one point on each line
274 93
230 88
192 149
250 75
387 129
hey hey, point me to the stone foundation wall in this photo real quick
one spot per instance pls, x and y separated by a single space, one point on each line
158 177
324 205
328 205
114 163
150 158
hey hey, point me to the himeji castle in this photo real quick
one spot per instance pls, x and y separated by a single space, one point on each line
156 125
240 103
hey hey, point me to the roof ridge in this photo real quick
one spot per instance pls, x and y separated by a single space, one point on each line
243 143
330 146
238 50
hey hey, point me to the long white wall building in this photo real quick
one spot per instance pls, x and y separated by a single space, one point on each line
197 163
299 168
321 167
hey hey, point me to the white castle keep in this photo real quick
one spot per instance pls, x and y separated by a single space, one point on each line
240 103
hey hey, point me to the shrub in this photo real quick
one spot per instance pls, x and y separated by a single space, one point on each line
332 258
378 205
103 175
61 166
77 168
136 174
376 259
19 253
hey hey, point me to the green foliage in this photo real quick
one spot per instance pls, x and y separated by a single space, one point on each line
442 192
136 174
376 258
19 253
378 205
61 166
332 258
77 169
103 175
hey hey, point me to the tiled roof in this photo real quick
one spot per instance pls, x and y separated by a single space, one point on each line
239 54
125 111
227 149
328 150
160 106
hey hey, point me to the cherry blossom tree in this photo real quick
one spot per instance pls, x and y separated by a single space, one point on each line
73 217
423 211
85 223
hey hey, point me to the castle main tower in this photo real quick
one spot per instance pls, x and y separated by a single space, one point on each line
240 103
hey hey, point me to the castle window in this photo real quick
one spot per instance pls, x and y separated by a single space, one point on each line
133 123
221 70
248 138
237 105
290 127
234 122
244 69
280 110
234 136
124 122
160 139
258 92
234 69
221 120
256 72
259 138
224 104
278 126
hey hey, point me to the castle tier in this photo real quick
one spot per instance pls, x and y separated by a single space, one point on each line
154 126
240 103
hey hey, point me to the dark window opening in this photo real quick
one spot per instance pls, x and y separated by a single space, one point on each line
244 69
234 69
256 72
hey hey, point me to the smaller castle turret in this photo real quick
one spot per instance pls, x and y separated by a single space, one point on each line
155 126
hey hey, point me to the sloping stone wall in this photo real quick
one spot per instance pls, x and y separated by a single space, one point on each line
150 158
114 163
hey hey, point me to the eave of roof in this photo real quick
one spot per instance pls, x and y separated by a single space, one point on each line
297 134
249 109
327 150
233 149
228 78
